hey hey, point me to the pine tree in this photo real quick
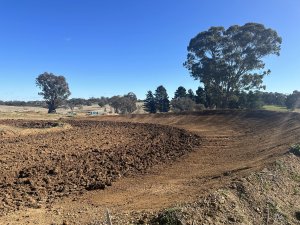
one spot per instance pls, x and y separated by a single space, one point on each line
162 99
180 92
150 103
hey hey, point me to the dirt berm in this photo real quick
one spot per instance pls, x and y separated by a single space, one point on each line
204 152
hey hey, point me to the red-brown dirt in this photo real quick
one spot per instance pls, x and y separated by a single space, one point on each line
37 169
232 144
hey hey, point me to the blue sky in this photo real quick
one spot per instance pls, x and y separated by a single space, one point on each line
111 47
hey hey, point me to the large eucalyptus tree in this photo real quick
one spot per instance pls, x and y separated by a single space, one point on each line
55 90
228 61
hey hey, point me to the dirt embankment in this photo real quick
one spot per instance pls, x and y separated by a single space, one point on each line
235 147
267 197
37 169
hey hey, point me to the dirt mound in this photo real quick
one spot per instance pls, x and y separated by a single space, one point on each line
40 125
38 169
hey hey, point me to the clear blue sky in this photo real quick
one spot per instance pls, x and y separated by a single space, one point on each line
112 47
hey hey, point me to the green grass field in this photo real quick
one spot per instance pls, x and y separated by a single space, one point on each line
275 108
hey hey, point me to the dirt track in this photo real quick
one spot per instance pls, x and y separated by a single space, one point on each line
233 144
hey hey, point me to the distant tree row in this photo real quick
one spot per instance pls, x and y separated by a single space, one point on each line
189 101
24 103
77 102
252 99
122 104
183 100
293 100
273 98
55 92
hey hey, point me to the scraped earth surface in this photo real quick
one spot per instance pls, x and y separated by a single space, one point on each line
164 165
38 169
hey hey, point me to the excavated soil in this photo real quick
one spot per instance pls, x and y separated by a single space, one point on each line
38 169
195 154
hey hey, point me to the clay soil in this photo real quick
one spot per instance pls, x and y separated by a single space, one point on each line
134 163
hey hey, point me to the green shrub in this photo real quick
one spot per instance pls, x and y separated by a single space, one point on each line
183 104
295 149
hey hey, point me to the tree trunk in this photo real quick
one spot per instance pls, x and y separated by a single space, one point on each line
51 108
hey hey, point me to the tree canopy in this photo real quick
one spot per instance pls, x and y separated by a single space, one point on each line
55 90
231 60
180 92
293 100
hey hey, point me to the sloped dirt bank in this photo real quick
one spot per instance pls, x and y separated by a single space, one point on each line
236 147
270 196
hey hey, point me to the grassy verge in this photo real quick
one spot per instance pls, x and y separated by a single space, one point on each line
275 108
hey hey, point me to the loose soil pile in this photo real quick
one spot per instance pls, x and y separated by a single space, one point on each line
40 168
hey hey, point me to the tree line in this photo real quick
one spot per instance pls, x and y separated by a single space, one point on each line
183 100
24 103
120 103
189 101
227 62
